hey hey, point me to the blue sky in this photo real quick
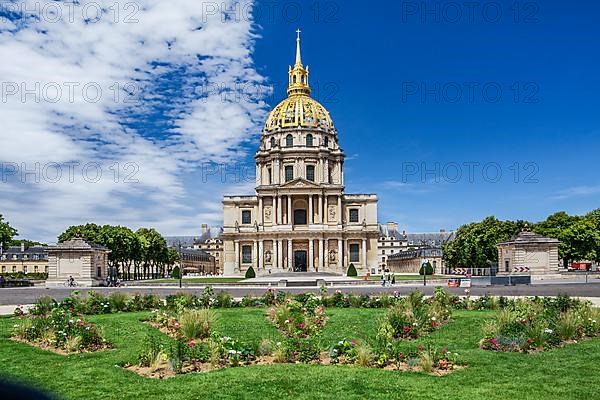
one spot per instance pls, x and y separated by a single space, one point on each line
432 101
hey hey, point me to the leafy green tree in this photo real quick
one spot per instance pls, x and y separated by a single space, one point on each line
580 241
7 233
475 243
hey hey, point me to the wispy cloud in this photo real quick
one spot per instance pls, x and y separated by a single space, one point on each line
577 191
79 90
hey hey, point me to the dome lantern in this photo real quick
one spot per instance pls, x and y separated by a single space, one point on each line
299 110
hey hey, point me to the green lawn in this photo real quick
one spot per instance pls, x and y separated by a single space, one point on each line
197 280
567 373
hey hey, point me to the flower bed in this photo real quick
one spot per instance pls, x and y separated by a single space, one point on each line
59 331
540 324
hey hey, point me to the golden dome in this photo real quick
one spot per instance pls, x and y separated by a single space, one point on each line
299 109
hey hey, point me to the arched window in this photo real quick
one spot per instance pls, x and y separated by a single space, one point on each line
272 142
289 141
309 140
326 141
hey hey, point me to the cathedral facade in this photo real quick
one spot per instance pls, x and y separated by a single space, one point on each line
300 219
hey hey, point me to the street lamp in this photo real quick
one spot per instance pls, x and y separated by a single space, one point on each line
180 263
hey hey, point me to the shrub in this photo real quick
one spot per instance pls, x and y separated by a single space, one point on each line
426 269
566 325
250 273
175 273
43 306
224 300
118 301
352 270
426 361
364 355
196 324
265 348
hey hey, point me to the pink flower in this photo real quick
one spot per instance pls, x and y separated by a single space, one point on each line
354 343
494 341
192 344
444 350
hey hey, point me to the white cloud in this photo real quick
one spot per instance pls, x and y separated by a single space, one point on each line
577 191
64 56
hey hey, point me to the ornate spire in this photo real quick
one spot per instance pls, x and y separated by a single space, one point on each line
298 57
298 83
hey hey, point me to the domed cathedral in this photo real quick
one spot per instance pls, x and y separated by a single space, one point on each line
300 218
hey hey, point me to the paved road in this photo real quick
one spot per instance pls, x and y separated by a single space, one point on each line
13 296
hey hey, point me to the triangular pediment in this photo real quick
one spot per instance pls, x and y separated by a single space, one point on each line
300 183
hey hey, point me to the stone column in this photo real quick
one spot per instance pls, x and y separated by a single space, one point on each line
311 255
321 254
255 255
280 253
237 256
339 208
279 211
289 210
326 259
364 253
327 171
261 212
320 200
310 209
260 254
289 254
340 254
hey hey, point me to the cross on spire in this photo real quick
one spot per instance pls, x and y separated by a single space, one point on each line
298 58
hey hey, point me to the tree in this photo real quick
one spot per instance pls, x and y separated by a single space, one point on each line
580 241
250 273
475 243
352 270
7 232
426 269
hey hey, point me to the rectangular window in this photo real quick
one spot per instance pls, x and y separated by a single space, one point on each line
3 269
354 215
289 173
247 254
35 269
310 172
25 268
246 217
14 268
99 272
270 177
354 253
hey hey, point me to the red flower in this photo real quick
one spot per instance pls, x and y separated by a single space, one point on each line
354 343
444 350
406 328
401 355
522 321
192 344
420 348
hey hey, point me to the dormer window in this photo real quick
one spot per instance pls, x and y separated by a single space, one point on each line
272 142
289 141
326 141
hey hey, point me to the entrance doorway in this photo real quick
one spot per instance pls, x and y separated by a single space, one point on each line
300 261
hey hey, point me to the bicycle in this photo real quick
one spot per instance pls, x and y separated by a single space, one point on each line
70 283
